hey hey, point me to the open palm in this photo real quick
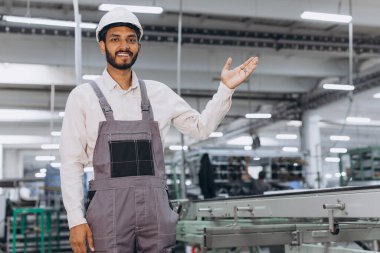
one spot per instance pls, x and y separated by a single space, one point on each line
232 78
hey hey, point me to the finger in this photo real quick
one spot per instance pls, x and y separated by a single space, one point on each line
253 63
82 247
90 240
228 63
251 67
75 248
78 246
250 70
245 64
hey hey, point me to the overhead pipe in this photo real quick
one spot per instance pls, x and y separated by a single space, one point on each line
179 55
78 43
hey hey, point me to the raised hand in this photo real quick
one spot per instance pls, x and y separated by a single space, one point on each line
232 78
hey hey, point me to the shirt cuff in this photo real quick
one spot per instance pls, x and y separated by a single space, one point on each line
223 89
75 218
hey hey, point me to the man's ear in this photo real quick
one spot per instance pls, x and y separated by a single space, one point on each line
139 46
102 47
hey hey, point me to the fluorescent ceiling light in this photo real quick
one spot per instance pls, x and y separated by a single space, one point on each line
40 175
50 146
337 174
332 159
55 165
11 115
377 95
247 148
48 22
23 139
90 77
358 119
256 158
339 138
286 136
132 8
45 158
330 86
177 147
242 140
216 134
320 16
43 170
290 149
61 114
322 124
267 141
258 115
328 175
55 133
338 150
294 123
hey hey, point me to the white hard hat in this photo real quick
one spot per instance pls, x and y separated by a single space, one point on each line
118 15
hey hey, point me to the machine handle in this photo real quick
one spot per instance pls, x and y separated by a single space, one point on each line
333 225
339 206
244 208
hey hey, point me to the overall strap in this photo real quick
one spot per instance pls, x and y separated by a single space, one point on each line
106 108
146 109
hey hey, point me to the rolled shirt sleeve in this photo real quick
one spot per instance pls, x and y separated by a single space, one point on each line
200 125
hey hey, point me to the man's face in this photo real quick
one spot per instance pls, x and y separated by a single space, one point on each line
121 47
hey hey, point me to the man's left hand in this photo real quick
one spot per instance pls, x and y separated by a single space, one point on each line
232 78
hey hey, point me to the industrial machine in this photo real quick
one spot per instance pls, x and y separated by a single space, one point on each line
298 220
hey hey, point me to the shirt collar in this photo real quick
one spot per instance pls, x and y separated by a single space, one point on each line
111 84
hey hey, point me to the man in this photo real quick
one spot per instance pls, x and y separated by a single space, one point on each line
116 124
260 185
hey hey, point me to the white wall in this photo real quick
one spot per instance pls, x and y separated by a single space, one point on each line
13 164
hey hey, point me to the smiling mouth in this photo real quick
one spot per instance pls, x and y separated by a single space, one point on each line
124 54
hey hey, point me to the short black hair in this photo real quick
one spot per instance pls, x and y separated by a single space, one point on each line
103 32
262 174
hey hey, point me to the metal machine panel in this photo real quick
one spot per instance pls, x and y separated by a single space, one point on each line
322 249
358 202
317 216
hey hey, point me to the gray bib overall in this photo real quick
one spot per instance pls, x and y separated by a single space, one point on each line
129 209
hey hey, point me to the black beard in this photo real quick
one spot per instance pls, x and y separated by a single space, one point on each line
111 60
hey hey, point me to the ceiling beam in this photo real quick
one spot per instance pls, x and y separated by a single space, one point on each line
219 37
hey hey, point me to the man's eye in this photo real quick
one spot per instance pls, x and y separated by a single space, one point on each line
114 39
133 41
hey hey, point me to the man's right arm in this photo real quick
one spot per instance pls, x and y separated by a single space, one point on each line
73 157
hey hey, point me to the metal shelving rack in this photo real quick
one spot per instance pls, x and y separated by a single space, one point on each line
25 232
362 164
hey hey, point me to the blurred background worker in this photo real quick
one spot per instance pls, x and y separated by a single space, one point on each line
259 185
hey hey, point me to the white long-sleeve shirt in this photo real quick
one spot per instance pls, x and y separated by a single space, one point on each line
83 114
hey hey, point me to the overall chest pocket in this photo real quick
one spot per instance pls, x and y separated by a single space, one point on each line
131 154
